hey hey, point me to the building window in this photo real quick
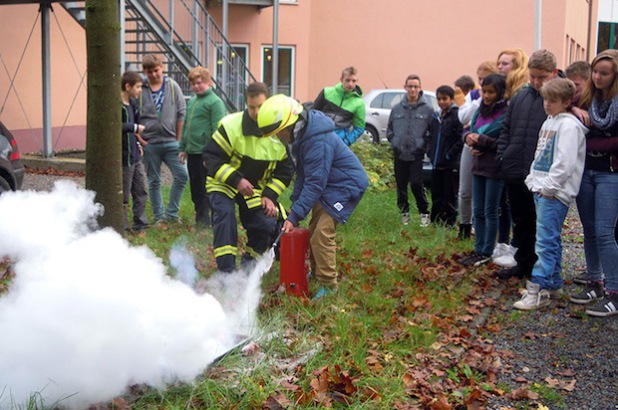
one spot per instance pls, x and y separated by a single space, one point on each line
285 72
606 36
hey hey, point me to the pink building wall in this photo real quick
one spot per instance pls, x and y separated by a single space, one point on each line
386 40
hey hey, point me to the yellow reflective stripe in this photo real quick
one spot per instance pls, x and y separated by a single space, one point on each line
282 212
224 172
252 252
223 143
226 250
224 189
253 202
276 185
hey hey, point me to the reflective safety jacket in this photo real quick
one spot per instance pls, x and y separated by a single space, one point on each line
237 151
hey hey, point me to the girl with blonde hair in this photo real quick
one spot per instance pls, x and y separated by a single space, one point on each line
513 64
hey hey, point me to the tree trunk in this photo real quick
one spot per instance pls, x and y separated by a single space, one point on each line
103 129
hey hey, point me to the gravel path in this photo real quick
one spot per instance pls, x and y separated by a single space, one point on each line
559 345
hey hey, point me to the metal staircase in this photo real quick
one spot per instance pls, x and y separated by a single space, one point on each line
187 35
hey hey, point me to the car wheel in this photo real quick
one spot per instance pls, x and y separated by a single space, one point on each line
375 137
4 186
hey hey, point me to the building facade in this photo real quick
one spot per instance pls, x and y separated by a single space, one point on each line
437 39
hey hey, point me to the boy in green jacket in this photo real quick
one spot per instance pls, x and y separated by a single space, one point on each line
204 112
344 104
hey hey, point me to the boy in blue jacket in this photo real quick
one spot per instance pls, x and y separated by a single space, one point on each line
330 180
444 152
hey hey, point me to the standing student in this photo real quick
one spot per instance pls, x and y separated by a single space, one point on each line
444 152
204 112
597 201
466 111
554 180
513 65
408 133
162 111
487 183
516 148
343 103
133 173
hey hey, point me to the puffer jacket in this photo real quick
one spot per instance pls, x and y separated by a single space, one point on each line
446 142
347 110
408 128
520 133
326 171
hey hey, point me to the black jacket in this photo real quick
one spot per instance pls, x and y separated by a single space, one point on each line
446 142
520 132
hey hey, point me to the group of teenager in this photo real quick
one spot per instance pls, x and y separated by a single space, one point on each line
244 159
513 155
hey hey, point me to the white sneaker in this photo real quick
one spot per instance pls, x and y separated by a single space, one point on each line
425 220
405 218
499 250
507 258
533 297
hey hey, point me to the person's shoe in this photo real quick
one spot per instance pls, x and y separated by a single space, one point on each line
508 273
581 279
594 291
405 218
425 220
465 230
475 259
324 291
499 250
140 227
533 297
555 293
606 307
507 258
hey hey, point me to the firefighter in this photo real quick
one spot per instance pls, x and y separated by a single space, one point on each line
247 170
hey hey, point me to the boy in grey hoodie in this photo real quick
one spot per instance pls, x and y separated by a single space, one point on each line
162 112
554 179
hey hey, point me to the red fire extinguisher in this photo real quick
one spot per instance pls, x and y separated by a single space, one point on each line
294 262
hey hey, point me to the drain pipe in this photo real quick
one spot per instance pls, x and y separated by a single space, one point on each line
275 62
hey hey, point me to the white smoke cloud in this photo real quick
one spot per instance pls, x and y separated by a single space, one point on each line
87 314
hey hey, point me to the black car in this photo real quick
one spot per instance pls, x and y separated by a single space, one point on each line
11 167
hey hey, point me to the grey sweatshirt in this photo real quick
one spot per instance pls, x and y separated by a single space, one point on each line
162 128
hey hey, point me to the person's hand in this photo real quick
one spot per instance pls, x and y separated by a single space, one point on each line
287 226
142 141
182 157
476 152
472 139
141 150
270 209
244 187
140 128
582 115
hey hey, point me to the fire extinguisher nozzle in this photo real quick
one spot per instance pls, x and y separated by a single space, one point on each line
278 239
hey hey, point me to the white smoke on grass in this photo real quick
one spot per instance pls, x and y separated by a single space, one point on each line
87 314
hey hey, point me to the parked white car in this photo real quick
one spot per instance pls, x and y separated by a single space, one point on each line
378 105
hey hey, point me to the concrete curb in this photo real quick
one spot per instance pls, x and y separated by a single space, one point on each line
59 163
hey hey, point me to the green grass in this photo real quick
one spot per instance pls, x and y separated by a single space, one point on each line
396 312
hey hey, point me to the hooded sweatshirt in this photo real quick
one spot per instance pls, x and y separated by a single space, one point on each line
559 158
327 171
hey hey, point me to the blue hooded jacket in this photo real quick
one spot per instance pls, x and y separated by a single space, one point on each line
326 171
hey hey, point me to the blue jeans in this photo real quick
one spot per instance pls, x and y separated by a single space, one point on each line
550 215
597 204
154 155
486 194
